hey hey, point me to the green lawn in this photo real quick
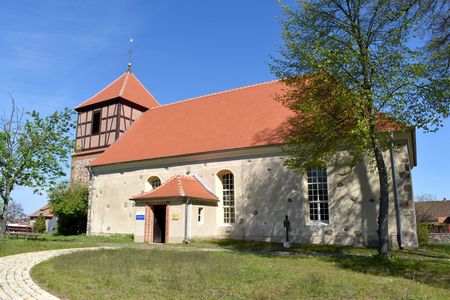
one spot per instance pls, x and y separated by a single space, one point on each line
432 251
164 274
12 245
254 272
429 251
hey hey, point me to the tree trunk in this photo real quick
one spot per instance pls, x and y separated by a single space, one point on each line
4 220
383 215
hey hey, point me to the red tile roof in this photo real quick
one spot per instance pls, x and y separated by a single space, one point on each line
179 186
45 210
240 118
128 87
235 119
431 211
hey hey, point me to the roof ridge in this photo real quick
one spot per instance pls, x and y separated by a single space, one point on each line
213 94
137 79
199 180
180 186
122 89
117 79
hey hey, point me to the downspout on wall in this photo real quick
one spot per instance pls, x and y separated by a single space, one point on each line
90 187
186 221
395 190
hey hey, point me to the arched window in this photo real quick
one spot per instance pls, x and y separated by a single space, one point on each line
155 182
152 183
318 194
228 204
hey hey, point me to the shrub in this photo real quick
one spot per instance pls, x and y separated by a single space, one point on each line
439 228
39 226
70 204
423 231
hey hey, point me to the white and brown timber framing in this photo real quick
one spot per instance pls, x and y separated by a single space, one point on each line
115 118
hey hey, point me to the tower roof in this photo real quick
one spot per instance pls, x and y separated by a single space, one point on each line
127 87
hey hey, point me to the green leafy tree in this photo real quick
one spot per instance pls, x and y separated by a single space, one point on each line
33 151
70 205
352 68
437 25
39 226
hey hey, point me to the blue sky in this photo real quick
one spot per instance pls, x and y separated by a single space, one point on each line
56 54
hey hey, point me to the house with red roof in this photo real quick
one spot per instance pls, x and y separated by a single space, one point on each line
213 167
47 213
434 212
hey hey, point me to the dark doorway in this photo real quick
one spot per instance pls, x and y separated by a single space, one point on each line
159 223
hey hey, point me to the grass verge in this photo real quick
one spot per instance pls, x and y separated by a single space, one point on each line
161 274
13 245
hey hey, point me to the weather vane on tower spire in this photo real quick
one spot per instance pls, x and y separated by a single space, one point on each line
130 52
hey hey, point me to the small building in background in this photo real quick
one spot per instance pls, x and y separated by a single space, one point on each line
434 212
50 218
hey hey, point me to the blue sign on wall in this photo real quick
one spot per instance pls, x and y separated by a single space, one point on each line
140 217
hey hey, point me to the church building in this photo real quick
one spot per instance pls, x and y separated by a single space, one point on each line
213 167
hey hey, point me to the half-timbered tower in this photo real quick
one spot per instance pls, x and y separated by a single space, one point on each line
103 118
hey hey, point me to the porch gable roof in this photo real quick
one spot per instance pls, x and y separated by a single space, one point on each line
179 186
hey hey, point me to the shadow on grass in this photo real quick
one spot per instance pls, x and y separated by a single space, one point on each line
431 251
268 247
434 272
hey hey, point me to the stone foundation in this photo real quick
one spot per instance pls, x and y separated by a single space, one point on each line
440 238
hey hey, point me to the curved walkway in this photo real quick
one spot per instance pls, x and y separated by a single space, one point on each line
15 280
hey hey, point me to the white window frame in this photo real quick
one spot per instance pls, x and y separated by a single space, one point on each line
229 205
318 196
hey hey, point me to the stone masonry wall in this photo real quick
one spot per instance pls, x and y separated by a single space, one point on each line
79 171
266 191
440 238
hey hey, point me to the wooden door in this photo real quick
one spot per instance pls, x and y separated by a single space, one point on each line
159 223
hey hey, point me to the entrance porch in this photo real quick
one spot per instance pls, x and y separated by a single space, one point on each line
166 214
